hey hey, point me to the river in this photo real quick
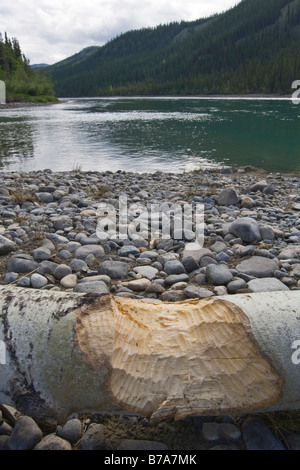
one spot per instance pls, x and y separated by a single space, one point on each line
151 134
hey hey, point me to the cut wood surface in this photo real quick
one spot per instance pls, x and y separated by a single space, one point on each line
67 352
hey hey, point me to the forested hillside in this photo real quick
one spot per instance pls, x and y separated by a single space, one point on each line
22 83
251 48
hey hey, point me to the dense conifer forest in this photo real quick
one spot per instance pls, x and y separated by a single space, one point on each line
251 48
22 82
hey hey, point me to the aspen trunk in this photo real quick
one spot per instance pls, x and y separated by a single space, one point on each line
62 352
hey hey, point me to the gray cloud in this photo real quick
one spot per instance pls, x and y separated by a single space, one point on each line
49 31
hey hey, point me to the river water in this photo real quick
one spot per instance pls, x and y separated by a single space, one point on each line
151 134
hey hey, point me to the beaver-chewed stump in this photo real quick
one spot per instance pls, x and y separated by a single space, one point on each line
62 352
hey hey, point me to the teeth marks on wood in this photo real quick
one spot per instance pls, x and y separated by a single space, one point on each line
178 359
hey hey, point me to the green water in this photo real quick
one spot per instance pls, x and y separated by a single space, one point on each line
150 134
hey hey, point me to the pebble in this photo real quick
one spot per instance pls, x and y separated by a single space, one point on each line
25 435
258 266
196 292
122 432
251 242
258 436
114 269
38 281
6 246
94 287
267 285
218 274
245 228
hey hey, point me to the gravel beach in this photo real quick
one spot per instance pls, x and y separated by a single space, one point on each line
50 238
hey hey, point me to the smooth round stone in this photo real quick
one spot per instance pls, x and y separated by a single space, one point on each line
69 281
246 228
173 296
228 197
38 281
196 292
218 274
53 442
258 266
65 254
96 277
25 435
174 267
138 285
96 287
6 246
61 222
41 254
10 277
94 438
190 264
21 264
127 250
258 436
62 271
23 282
236 285
174 278
114 269
78 265
267 285
84 251
71 431
146 271
45 197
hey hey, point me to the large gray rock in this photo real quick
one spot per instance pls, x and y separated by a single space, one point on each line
218 274
53 442
41 254
62 271
86 250
38 281
61 222
228 197
146 271
94 438
195 292
127 250
258 266
114 269
246 228
174 266
196 251
266 285
6 246
94 287
174 278
71 431
21 264
258 436
25 435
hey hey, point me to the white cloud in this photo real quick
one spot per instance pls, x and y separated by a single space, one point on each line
49 31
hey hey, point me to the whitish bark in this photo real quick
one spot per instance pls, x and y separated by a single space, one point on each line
65 352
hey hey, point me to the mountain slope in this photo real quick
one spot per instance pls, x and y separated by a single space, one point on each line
251 48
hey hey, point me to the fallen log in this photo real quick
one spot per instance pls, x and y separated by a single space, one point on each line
62 352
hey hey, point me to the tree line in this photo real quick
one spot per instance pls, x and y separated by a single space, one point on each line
22 82
251 48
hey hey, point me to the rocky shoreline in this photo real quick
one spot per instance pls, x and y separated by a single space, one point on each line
49 239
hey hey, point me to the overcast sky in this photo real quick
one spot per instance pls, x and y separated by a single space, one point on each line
51 30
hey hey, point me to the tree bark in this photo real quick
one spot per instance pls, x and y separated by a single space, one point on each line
62 352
